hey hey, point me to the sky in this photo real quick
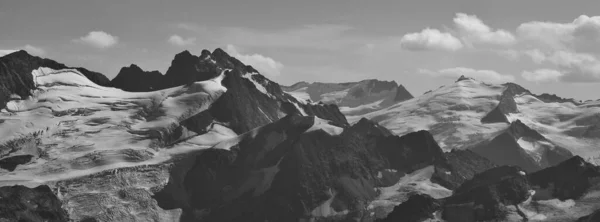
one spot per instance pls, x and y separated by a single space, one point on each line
547 46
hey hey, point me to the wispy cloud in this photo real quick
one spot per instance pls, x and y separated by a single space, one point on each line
180 41
265 65
542 75
314 37
98 39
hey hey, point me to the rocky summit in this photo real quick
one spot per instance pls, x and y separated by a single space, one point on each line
212 139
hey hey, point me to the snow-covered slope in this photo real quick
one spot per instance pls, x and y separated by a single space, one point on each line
80 128
453 114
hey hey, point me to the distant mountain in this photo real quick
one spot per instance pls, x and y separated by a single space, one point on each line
134 79
16 78
353 98
468 113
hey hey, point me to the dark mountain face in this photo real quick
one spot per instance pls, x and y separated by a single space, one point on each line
553 98
486 196
505 149
506 105
567 180
417 208
251 99
20 203
16 77
402 94
284 173
591 218
134 79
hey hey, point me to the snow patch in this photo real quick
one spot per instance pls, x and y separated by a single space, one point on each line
321 124
418 181
258 85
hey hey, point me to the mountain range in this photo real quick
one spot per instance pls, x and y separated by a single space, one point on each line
212 139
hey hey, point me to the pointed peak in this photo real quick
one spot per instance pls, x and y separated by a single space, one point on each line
18 54
519 129
185 53
133 66
463 77
218 52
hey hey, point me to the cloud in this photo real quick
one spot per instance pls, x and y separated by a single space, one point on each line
430 39
542 75
34 50
483 75
263 64
473 30
98 39
582 34
4 52
29 48
179 41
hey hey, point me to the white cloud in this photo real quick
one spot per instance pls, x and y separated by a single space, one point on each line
542 75
473 30
263 64
583 34
98 39
430 39
4 52
482 75
34 50
180 41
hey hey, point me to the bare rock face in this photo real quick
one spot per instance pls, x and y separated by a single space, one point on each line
16 78
20 203
402 94
417 208
506 149
567 180
590 218
134 79
486 196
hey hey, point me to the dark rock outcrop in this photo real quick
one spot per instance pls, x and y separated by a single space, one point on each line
16 78
504 149
462 78
462 165
417 208
553 98
20 203
486 196
570 179
402 94
591 218
10 163
506 105
282 173
134 79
